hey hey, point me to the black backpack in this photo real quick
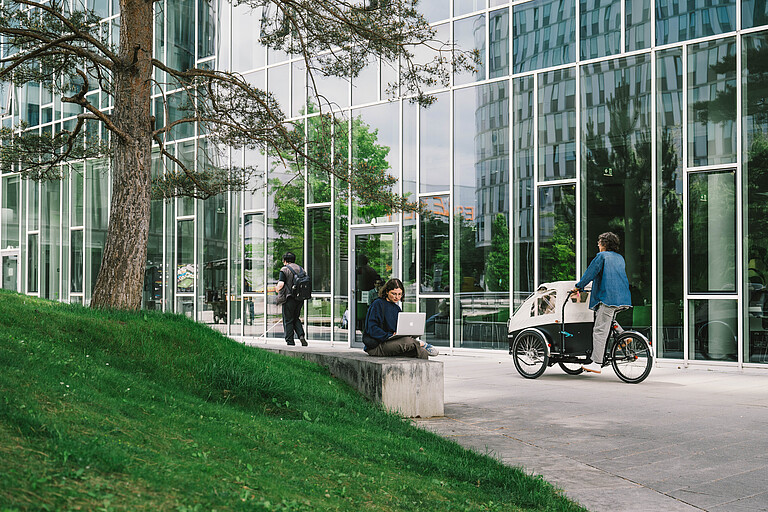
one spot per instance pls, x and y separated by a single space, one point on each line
301 287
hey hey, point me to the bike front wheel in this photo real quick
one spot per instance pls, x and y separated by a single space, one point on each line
530 353
631 357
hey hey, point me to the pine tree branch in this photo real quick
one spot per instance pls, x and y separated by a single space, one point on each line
50 8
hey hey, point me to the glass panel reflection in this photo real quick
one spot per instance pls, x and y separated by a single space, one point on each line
319 251
481 208
254 318
434 145
236 255
469 34
185 306
285 232
523 255
680 21
76 260
11 214
319 147
435 10
213 226
365 86
754 13
255 165
319 318
712 330
638 20
340 244
435 246
254 233
544 34
557 233
600 28
755 160
616 121
32 261
669 147
712 232
466 6
712 102
185 256
10 272
498 43
557 124
376 143
437 327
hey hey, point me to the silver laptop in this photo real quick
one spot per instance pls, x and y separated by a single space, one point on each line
411 324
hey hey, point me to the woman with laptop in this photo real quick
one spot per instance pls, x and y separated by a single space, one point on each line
385 319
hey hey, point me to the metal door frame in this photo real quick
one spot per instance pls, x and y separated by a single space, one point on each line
354 233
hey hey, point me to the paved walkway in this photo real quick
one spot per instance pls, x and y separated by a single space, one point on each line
683 440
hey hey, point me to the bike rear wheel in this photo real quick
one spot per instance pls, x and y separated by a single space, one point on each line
631 357
529 352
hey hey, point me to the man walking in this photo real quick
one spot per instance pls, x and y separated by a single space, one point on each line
291 305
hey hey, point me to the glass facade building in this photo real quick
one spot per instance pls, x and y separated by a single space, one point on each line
648 118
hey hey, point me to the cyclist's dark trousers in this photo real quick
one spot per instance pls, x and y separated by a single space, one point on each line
292 319
604 315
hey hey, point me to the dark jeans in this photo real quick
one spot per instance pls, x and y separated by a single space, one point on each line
404 346
292 319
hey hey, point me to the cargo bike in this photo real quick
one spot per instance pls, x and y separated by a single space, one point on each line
554 326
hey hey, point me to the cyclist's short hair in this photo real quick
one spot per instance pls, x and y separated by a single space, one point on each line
392 284
289 257
610 241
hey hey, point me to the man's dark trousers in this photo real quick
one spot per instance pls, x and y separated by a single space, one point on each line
292 319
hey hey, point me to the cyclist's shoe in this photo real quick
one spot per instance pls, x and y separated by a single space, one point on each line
592 367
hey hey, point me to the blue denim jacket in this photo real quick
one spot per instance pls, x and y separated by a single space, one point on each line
609 280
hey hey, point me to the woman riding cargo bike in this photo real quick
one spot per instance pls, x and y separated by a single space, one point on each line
544 331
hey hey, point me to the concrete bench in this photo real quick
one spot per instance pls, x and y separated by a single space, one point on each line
411 387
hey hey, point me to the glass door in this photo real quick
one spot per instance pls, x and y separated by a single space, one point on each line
374 251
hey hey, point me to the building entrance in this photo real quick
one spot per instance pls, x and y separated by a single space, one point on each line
374 251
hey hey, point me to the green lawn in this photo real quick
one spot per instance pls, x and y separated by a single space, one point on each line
147 411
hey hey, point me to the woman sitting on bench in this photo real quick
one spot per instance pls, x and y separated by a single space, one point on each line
379 334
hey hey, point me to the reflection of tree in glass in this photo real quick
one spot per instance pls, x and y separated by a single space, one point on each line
671 223
557 254
757 189
755 97
618 190
497 260
470 260
435 252
288 221
367 173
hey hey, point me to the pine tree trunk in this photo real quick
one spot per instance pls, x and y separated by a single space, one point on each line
121 277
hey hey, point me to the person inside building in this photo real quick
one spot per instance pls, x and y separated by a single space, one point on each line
610 294
366 274
291 306
379 336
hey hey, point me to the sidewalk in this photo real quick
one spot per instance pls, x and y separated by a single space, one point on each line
683 440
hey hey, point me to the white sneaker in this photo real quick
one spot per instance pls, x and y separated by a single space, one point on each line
592 368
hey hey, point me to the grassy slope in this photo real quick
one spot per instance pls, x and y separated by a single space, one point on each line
144 411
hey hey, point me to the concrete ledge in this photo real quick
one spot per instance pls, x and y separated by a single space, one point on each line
412 387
